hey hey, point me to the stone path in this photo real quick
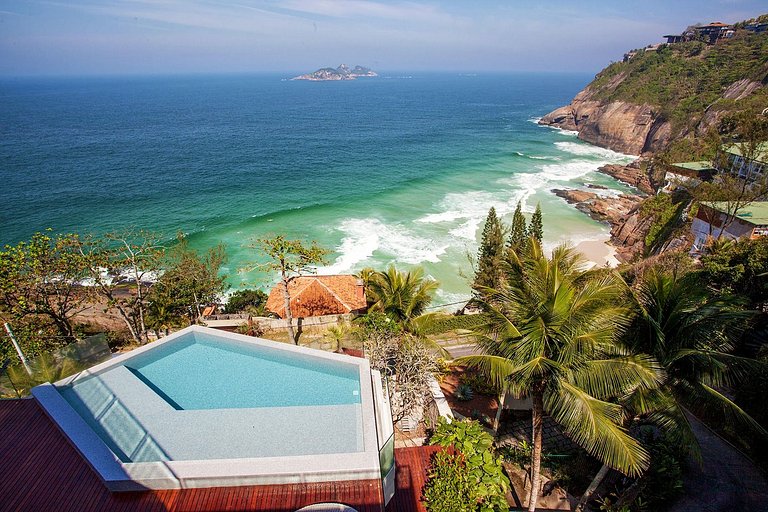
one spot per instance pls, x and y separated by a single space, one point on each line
725 482
514 431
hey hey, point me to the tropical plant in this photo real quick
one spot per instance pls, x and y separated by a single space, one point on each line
536 228
126 261
338 333
44 369
691 334
401 296
401 358
41 277
248 299
485 485
189 280
464 393
739 267
551 335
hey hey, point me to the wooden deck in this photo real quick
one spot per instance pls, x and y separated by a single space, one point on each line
40 470
412 465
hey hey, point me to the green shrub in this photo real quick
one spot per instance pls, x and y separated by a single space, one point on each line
445 323
449 488
478 383
665 214
241 300
664 479
486 484
463 393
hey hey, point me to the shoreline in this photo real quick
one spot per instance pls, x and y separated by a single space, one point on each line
598 253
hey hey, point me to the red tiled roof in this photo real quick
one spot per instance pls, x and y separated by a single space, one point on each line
319 295
40 471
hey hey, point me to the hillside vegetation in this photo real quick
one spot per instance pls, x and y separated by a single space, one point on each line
692 82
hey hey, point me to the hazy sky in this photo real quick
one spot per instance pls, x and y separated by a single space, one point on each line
179 36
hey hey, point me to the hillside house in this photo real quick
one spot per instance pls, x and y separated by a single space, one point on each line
710 33
747 163
319 296
716 219
687 173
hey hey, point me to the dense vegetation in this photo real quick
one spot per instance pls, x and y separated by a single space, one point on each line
683 80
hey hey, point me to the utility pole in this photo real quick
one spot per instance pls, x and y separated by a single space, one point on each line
18 348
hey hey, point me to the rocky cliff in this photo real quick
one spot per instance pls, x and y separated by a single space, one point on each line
668 92
617 125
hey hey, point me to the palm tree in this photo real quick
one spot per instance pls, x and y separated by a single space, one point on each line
691 334
402 296
552 336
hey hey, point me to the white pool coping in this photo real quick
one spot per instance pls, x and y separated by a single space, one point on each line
177 474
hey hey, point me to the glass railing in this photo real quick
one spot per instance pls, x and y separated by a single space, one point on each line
16 381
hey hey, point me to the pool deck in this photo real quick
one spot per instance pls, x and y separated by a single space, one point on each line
140 441
41 470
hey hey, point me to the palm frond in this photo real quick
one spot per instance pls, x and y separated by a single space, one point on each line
612 378
595 425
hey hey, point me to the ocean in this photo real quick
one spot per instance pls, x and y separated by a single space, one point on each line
397 169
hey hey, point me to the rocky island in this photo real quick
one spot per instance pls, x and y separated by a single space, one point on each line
343 72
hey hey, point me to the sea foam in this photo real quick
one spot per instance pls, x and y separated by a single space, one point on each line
396 243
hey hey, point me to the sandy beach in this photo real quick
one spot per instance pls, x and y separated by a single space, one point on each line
598 252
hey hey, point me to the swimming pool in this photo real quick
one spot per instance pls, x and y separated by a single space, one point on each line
204 407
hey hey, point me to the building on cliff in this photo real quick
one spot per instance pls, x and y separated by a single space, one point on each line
743 161
717 220
711 33
738 160
319 296
687 174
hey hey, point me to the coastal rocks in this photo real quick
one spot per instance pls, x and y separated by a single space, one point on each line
620 126
632 175
605 209
629 234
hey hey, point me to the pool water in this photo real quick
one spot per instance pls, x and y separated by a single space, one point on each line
203 396
213 375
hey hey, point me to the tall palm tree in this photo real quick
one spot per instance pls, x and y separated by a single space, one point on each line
552 336
691 333
402 296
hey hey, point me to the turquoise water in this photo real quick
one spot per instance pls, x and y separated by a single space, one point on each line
397 169
215 374
207 397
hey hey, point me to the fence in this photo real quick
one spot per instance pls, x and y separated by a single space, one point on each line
233 321
16 381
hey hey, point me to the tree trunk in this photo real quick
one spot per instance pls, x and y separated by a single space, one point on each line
599 477
631 493
537 416
288 317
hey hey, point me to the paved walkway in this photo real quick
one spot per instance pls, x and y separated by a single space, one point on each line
725 482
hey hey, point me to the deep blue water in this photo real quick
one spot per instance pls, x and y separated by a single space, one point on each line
227 158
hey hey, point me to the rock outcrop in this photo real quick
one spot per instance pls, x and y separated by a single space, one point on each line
620 126
343 72
628 227
609 209
632 175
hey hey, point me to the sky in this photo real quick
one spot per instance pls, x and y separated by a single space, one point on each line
80 37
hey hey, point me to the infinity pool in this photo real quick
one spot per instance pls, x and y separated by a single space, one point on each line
204 408
206 372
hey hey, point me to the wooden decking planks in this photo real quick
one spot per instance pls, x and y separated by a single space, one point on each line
40 470
412 465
